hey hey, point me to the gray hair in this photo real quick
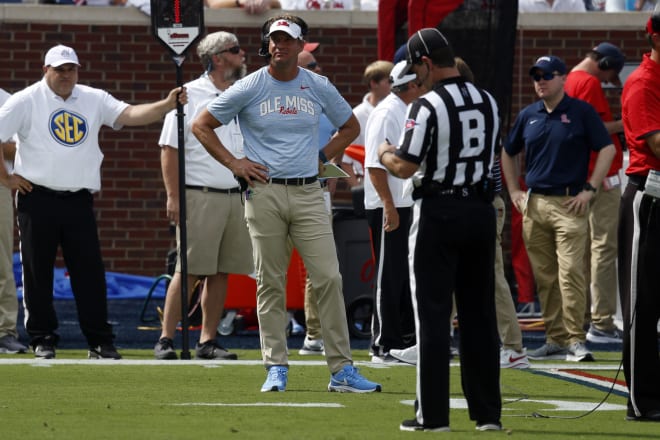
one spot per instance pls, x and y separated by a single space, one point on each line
212 44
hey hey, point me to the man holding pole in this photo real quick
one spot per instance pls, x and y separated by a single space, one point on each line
218 241
57 170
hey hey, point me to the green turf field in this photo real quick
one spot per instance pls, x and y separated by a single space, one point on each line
138 398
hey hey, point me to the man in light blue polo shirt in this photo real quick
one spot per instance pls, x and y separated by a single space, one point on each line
278 108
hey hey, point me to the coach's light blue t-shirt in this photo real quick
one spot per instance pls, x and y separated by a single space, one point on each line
280 120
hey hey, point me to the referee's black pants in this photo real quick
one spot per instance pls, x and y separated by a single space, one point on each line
392 322
47 220
453 250
639 260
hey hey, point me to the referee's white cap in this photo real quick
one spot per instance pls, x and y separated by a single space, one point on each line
58 55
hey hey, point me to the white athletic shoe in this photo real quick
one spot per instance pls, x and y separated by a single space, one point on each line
513 359
578 352
312 347
407 355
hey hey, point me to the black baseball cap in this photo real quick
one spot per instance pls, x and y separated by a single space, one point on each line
422 43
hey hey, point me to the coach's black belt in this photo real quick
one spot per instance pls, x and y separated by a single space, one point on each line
56 193
234 190
558 190
638 181
297 181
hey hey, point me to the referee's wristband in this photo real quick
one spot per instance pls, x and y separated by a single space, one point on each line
322 156
380 158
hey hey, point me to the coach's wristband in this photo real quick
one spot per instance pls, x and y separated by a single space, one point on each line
322 156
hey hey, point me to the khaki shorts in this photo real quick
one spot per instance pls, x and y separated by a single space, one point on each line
217 235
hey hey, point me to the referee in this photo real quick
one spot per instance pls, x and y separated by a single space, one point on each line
447 146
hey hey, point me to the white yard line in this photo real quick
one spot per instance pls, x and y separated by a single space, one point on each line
173 363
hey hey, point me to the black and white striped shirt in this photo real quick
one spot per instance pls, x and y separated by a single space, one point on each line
451 133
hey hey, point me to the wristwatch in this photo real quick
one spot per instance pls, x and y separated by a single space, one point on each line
588 187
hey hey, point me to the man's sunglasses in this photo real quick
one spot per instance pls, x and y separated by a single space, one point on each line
546 76
235 50
313 65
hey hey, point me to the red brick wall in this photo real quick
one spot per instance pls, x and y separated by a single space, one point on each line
126 61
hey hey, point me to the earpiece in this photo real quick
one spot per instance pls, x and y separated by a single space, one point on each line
607 63
263 50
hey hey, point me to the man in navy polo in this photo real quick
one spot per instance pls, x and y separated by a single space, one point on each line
557 133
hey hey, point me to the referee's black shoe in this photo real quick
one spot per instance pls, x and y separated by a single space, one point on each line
44 351
414 425
649 416
106 351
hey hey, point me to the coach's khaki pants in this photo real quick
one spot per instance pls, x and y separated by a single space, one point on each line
312 318
555 242
274 214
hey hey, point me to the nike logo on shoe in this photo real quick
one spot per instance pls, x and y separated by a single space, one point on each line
513 358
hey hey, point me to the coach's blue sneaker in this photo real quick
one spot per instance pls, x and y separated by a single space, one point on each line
276 379
349 380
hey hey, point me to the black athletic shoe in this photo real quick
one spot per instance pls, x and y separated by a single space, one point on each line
164 349
414 425
649 416
107 351
44 351
212 350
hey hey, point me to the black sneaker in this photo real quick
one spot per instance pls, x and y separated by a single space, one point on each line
164 349
649 416
107 351
44 351
212 350
414 425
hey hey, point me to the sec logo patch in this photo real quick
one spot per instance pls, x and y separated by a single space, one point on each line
68 128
